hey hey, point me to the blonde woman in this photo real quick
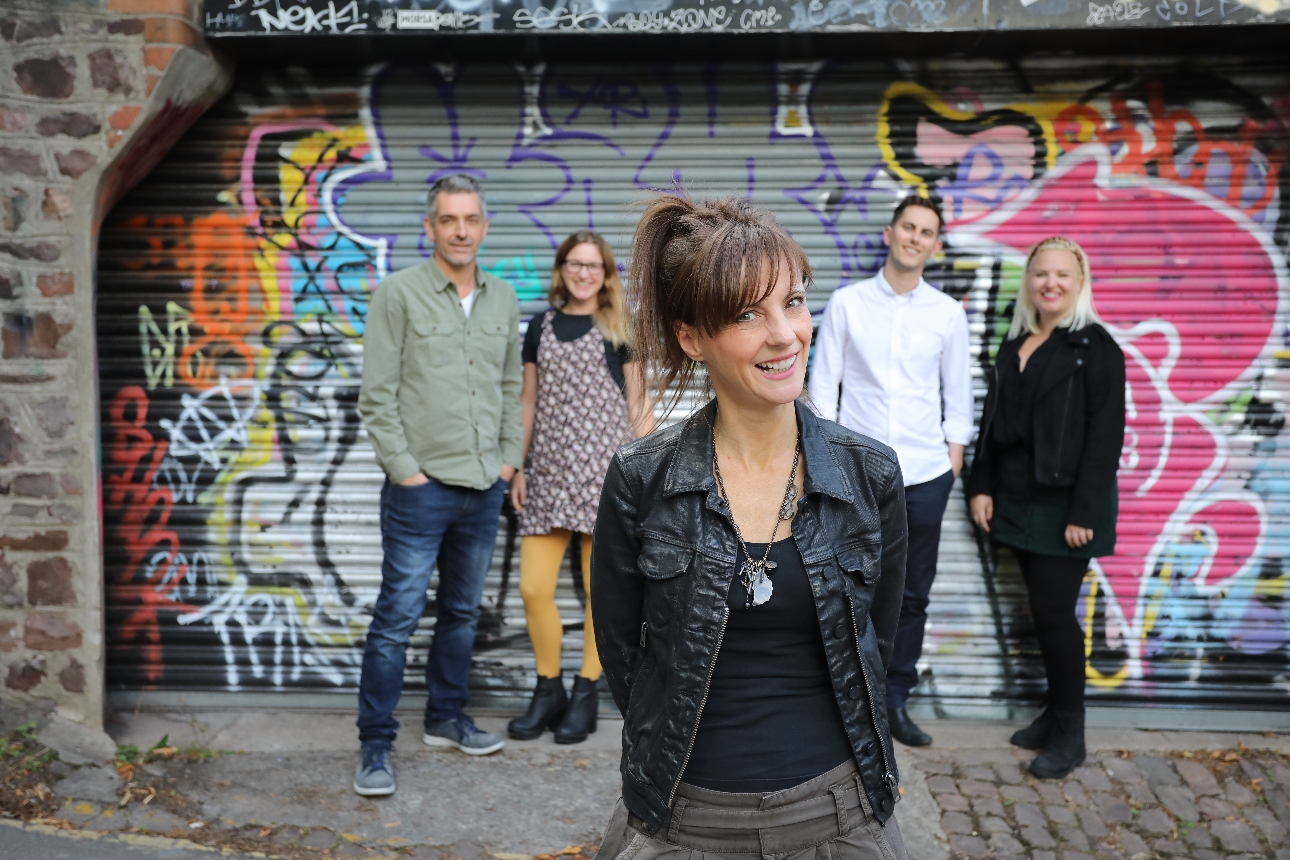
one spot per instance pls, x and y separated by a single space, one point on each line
1043 481
581 400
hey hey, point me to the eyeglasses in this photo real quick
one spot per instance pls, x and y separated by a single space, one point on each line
590 268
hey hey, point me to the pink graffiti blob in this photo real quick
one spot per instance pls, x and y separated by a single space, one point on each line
1191 289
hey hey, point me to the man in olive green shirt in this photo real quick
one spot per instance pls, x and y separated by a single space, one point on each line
441 401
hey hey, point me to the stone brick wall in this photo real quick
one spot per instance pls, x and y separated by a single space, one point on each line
92 94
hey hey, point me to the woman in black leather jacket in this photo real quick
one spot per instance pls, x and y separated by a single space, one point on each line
1043 480
747 568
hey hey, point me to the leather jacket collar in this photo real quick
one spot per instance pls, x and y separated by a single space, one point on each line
691 470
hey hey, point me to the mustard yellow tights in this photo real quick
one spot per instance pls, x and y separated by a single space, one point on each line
540 559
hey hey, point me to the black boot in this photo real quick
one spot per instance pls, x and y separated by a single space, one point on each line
580 719
1065 749
906 730
1035 736
548 705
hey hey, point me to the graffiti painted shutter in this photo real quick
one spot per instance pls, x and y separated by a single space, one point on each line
240 493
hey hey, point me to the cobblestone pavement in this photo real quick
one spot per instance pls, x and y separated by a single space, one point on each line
281 788
1202 804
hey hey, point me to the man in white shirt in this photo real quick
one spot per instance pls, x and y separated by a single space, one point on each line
895 349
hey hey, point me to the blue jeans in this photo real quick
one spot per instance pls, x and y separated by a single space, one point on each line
421 526
924 508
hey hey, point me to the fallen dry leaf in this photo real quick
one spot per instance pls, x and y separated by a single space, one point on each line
125 771
1126 754
582 762
264 831
569 849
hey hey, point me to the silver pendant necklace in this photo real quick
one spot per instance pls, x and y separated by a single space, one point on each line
755 573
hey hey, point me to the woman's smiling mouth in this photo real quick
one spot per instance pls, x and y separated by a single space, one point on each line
778 366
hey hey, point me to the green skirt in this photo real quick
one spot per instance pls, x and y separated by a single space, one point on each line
1033 518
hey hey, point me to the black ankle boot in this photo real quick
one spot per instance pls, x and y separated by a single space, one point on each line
905 729
580 719
1035 736
1065 749
546 708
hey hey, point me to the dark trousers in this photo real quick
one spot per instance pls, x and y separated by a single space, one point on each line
924 508
1053 583
421 527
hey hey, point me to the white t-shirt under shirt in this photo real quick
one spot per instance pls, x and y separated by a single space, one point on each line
468 302
903 366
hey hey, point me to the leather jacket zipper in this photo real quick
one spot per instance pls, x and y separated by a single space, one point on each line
1061 437
888 776
707 684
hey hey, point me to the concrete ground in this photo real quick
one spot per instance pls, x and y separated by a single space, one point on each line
36 842
287 774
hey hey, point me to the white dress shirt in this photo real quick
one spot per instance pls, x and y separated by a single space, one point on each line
903 366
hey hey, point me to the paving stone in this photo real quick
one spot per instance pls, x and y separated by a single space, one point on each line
1154 821
979 772
1019 793
1169 846
154 820
1092 823
287 835
1029 815
1252 770
1060 815
1279 805
1206 854
1235 835
1197 777
1198 835
1132 843
987 806
1092 778
991 824
941 785
956 822
1011 773
977 788
972 846
1212 807
1121 769
1037 837
1157 770
1267 822
1178 800
1113 808
1237 793
1076 855
1140 795
952 802
1073 836
77 811
348 849
1075 793
318 839
91 783
1279 772
1106 851
1050 794
1282 854
1043 855
1006 843
110 820
927 766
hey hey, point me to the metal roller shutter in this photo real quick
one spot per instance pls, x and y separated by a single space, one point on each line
240 493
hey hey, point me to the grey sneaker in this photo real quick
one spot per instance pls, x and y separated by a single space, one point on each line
462 733
374 776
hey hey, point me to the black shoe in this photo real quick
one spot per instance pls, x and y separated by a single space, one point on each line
546 708
580 718
1035 736
906 730
1065 749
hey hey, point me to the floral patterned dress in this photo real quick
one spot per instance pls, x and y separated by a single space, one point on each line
580 419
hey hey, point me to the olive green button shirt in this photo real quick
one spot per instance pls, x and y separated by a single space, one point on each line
441 391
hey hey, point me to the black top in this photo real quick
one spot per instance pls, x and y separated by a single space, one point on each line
568 328
771 721
1014 423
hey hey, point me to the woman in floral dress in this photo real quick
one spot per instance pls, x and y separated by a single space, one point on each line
581 399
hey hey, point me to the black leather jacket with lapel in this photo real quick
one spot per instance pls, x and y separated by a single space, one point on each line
1078 427
664 556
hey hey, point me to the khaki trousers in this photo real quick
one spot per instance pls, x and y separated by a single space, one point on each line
826 818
